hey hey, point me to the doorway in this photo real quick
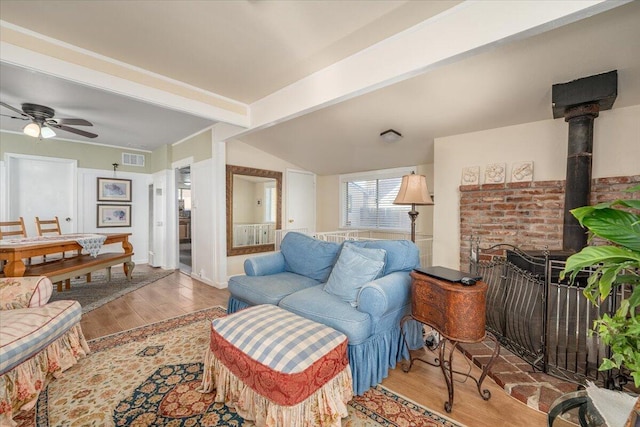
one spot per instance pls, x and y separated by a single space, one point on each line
44 187
183 184
301 201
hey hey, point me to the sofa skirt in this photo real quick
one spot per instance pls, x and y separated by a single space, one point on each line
21 386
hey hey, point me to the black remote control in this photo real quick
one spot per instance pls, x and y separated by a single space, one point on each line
468 281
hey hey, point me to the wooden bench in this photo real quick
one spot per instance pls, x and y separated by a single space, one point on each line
67 268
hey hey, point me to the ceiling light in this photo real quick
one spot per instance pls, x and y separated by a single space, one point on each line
32 129
47 132
391 135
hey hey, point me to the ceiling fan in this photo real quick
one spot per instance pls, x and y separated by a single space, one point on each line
43 123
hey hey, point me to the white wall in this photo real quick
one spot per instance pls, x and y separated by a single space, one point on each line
240 154
244 193
616 152
87 208
87 215
202 243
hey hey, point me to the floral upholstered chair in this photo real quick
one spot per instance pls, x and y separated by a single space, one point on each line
38 341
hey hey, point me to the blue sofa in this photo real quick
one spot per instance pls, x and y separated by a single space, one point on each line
360 288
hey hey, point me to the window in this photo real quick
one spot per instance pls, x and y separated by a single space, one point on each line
366 200
184 198
270 198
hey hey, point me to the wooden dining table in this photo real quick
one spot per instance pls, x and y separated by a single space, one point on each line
15 251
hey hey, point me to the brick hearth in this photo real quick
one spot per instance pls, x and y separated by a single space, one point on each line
535 389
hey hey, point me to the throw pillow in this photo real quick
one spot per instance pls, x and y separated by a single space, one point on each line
355 267
307 256
402 255
24 292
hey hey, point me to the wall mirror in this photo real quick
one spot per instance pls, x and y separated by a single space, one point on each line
254 209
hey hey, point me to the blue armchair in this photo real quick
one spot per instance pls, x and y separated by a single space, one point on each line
339 285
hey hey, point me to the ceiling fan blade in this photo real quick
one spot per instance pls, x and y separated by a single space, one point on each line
73 122
73 130
14 117
15 109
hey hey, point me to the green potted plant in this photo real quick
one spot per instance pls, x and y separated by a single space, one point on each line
613 264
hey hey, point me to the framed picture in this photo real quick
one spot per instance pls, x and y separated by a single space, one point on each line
114 190
114 216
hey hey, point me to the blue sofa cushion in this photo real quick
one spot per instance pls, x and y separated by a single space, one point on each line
316 304
355 267
269 289
308 256
402 255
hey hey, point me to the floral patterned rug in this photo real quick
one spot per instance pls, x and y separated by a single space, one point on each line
149 376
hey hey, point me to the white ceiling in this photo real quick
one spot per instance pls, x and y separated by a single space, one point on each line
245 50
118 120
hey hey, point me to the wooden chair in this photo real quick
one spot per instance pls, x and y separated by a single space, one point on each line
48 226
12 229
52 226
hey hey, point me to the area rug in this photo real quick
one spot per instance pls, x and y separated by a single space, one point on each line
99 292
150 376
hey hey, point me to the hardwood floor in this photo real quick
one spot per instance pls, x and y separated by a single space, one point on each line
179 294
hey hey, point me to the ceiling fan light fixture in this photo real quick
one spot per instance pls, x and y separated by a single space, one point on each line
391 135
32 129
47 132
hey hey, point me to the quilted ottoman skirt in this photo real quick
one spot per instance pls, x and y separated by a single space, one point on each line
278 369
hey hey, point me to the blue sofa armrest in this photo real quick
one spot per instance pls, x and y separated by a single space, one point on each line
264 265
385 294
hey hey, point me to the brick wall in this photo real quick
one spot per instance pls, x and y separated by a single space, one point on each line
528 215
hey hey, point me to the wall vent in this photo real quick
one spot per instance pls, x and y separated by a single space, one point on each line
131 159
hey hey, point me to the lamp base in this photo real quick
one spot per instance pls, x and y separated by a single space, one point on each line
413 213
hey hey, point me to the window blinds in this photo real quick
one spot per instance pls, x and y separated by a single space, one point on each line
368 201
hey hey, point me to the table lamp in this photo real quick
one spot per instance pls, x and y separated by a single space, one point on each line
413 191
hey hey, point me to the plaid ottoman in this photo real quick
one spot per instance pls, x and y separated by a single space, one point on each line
278 369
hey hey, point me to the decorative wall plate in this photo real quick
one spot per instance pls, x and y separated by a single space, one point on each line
471 175
522 172
494 173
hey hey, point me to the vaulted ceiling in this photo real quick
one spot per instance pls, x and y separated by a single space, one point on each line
244 51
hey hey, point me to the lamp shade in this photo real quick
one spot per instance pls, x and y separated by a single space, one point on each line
413 191
47 132
32 129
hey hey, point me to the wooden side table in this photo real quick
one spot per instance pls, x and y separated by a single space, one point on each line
457 313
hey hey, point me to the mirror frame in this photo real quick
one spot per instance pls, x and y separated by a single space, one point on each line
263 173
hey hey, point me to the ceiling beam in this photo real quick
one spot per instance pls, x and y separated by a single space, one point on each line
27 49
460 32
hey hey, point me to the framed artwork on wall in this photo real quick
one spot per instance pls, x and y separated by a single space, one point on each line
114 190
114 216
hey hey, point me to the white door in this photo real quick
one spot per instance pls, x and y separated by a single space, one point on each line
43 187
301 201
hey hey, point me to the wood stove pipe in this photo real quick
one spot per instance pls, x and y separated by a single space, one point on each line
580 102
578 183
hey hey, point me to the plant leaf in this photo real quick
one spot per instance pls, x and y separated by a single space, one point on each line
633 189
593 255
636 378
634 299
615 225
606 365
